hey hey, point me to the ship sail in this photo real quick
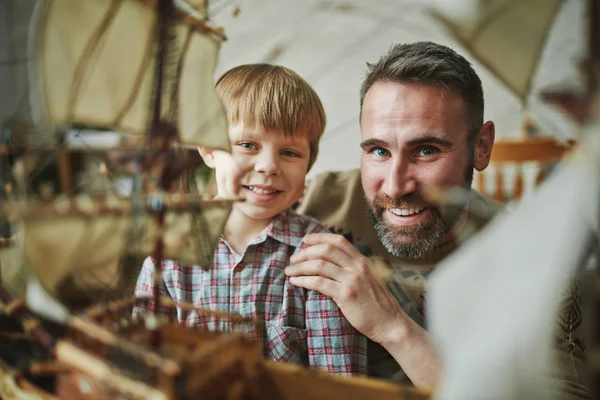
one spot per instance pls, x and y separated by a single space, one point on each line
94 65
11 255
505 36
65 238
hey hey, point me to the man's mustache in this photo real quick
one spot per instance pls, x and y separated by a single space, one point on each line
413 200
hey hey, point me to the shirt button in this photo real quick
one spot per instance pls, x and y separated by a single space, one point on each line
239 268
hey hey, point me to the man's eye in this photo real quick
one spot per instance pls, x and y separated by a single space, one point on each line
247 145
381 152
427 151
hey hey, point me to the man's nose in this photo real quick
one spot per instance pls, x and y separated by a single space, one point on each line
399 180
268 163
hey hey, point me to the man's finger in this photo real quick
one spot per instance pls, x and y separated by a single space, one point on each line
322 285
316 268
326 252
332 239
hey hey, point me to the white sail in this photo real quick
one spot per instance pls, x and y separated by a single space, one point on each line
506 36
94 67
61 242
529 253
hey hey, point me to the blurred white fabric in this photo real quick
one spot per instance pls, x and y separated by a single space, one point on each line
492 305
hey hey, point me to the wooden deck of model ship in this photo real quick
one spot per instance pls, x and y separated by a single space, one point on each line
108 354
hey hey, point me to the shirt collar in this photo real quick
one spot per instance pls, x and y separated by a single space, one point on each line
285 228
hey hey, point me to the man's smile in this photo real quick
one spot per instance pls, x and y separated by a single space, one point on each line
403 212
406 216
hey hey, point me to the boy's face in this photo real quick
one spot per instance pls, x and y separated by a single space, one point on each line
274 167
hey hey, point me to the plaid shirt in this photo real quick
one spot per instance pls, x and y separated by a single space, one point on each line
300 326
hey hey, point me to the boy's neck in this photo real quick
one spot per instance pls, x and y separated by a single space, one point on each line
240 230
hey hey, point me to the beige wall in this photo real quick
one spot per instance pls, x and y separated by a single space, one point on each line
329 42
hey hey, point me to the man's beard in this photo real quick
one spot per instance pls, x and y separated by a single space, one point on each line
414 241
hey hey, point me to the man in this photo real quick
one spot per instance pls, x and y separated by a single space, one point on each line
421 126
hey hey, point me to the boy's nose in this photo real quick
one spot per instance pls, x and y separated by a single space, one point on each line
267 164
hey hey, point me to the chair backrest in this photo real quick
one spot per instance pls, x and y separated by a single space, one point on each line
513 161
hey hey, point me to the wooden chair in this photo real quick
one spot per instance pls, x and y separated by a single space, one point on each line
542 152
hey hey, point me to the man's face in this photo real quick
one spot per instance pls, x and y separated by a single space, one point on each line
413 136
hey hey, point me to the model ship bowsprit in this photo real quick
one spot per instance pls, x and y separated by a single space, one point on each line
139 73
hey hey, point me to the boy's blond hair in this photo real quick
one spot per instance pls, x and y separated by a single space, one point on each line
274 97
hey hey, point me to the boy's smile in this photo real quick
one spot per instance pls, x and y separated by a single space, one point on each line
260 193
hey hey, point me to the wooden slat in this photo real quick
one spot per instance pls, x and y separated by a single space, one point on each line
104 375
94 332
481 188
518 187
543 150
499 186
297 383
541 175
65 172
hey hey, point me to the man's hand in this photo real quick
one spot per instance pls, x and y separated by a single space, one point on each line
334 267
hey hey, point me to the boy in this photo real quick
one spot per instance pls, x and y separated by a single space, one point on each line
275 123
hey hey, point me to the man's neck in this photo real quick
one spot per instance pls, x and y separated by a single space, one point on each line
240 230
459 225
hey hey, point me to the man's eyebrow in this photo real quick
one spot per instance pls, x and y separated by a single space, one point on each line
373 143
430 140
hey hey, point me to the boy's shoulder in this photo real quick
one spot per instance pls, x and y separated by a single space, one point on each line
301 224
289 227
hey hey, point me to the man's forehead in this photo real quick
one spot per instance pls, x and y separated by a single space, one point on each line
410 98
412 109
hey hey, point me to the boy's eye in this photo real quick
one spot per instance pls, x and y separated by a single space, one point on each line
290 153
427 151
248 145
379 152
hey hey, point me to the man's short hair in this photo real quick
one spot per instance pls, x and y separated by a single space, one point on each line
431 63
274 97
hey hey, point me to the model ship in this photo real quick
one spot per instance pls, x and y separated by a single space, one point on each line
138 74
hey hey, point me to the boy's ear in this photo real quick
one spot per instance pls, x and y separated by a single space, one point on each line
207 156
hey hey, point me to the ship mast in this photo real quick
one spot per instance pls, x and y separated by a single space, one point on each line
161 133
592 68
